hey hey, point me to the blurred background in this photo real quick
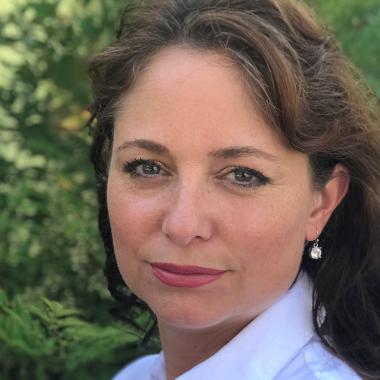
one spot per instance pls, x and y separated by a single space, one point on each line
54 319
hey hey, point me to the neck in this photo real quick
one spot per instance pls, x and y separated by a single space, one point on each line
185 348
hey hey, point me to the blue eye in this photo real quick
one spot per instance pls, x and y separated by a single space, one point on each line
246 177
142 168
238 176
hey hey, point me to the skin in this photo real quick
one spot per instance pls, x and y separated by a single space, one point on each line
189 207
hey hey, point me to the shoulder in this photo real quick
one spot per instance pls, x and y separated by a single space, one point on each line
138 369
315 362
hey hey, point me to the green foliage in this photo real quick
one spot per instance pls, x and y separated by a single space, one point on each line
357 27
49 246
48 219
41 339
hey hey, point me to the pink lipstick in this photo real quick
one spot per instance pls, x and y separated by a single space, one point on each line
185 276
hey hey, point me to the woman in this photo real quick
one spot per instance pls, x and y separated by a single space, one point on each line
239 192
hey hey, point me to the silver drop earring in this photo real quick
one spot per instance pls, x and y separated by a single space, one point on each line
316 250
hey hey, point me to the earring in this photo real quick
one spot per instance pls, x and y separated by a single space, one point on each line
316 250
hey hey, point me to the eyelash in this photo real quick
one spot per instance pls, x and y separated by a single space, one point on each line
131 167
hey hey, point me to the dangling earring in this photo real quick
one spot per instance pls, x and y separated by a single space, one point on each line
316 251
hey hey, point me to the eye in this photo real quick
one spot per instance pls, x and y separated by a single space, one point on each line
246 177
143 168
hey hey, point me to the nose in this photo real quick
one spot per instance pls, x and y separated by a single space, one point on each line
188 216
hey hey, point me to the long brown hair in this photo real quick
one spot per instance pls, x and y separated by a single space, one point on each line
314 99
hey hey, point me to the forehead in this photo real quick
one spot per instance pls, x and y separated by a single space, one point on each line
185 92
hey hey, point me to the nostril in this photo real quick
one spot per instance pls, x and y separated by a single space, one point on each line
182 230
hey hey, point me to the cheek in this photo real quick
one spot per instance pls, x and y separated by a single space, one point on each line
268 243
269 233
132 217
133 222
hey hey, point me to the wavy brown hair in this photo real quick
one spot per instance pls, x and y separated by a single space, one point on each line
309 93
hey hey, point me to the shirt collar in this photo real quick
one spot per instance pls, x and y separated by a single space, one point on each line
265 345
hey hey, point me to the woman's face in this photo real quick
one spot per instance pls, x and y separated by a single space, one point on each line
197 178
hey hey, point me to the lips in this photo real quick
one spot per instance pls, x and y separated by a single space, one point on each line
185 276
186 269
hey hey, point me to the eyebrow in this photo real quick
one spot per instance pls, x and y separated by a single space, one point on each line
229 152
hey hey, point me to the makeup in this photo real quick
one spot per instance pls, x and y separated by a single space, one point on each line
185 276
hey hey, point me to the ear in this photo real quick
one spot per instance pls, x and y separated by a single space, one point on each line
326 200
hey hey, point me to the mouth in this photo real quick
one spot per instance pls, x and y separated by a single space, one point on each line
185 276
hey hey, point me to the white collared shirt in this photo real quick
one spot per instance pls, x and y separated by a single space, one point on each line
279 344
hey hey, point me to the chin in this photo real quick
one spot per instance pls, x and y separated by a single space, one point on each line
191 318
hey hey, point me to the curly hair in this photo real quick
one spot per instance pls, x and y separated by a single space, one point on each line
315 100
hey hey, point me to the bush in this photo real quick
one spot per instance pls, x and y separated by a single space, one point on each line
42 340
